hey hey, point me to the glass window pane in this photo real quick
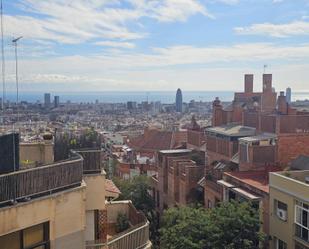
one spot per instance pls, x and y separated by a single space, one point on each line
10 241
298 215
33 235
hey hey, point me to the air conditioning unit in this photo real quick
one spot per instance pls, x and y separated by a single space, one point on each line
282 214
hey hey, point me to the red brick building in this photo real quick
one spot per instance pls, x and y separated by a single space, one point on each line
178 177
256 134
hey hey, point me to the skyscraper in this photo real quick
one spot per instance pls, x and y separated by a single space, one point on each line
178 100
47 100
288 95
56 101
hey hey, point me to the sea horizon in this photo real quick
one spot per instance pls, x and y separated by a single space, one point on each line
165 97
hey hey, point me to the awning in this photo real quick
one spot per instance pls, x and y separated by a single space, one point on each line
225 184
245 194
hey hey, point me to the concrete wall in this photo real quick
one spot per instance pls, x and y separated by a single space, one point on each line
95 193
89 232
65 211
42 153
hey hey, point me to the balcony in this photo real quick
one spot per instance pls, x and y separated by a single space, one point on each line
136 237
27 184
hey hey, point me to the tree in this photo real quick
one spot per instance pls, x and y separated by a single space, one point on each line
137 190
229 226
122 223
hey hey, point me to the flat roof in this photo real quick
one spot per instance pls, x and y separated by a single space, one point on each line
233 130
257 179
260 137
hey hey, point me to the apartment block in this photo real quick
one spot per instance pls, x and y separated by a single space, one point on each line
289 209
62 205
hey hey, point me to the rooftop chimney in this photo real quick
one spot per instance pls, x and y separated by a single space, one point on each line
282 104
248 83
267 83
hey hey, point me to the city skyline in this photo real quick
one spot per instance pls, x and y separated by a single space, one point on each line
153 45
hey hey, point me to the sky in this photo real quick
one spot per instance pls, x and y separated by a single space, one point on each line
145 45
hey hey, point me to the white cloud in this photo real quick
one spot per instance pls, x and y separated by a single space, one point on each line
230 2
115 44
79 21
275 30
188 66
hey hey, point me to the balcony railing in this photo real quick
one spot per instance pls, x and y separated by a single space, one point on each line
26 184
92 160
136 237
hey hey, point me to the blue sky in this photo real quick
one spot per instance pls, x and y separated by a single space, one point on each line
102 45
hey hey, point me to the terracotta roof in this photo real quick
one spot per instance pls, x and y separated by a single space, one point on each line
154 140
257 179
111 187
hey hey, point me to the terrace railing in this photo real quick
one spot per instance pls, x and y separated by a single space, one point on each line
92 160
26 184
137 237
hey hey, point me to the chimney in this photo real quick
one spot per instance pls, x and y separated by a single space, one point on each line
248 83
267 83
282 104
216 112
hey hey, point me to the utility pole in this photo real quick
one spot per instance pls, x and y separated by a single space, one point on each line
3 62
14 41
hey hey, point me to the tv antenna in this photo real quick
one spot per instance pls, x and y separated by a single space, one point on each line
3 61
14 41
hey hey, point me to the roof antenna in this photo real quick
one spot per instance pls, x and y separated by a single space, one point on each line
3 64
265 66
14 41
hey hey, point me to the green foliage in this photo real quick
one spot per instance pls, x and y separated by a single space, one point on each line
228 226
137 190
122 223
64 142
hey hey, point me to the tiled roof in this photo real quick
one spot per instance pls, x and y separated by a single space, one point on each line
155 140
111 187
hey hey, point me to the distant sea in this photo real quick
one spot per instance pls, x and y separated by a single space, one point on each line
137 96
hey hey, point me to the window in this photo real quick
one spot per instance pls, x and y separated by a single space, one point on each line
281 210
302 220
280 244
35 237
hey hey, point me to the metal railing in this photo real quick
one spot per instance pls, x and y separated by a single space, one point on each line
136 237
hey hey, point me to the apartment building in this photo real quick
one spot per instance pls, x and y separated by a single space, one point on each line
289 209
62 205
178 177
238 164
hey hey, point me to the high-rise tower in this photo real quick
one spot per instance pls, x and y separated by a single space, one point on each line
47 100
178 100
288 95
